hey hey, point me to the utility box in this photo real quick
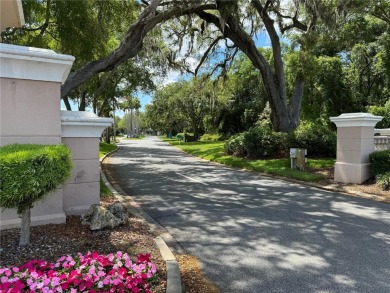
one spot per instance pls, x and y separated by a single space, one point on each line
298 158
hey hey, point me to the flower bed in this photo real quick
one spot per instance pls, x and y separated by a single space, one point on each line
91 272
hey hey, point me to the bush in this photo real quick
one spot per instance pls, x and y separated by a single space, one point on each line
211 137
257 142
261 142
379 162
383 180
28 172
235 146
382 111
318 139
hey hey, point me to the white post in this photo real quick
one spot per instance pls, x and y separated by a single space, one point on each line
355 141
81 132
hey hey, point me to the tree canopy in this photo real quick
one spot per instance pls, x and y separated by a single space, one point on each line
117 41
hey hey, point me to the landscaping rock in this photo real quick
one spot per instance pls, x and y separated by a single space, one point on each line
119 211
99 217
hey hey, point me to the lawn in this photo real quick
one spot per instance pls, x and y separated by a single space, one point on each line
105 148
213 151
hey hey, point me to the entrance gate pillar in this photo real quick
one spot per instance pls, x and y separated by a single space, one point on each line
355 141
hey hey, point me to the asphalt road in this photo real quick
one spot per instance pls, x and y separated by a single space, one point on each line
257 234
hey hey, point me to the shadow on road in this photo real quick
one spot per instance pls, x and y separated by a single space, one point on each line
258 234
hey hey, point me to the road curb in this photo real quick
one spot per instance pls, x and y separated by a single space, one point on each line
172 266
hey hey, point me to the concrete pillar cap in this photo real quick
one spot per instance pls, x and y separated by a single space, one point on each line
83 124
356 120
34 63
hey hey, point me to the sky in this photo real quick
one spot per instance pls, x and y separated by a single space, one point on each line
262 40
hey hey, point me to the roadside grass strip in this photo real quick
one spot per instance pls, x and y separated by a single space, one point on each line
105 148
213 151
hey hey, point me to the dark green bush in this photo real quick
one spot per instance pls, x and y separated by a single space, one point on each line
28 172
379 162
261 142
318 139
383 180
235 146
257 142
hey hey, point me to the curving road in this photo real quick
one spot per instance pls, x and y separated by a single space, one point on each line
257 234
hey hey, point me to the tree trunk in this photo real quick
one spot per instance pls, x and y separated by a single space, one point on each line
284 113
107 135
82 101
195 130
25 227
67 104
114 126
131 122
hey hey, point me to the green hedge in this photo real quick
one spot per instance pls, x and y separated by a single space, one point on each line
318 139
28 172
257 142
379 162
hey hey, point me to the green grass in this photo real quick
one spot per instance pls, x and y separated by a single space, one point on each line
213 151
104 191
105 148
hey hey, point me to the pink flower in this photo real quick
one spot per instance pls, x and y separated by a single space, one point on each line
81 273
34 275
4 279
33 286
110 257
143 257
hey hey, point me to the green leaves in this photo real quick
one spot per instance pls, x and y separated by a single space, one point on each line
29 172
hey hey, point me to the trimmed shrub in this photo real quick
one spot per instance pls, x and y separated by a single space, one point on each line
379 162
27 173
318 139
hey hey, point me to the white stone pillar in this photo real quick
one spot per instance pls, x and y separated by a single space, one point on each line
30 84
81 132
355 141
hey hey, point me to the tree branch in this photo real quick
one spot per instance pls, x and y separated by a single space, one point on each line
215 42
46 24
131 44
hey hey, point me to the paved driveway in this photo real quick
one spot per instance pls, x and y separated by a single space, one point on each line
258 234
